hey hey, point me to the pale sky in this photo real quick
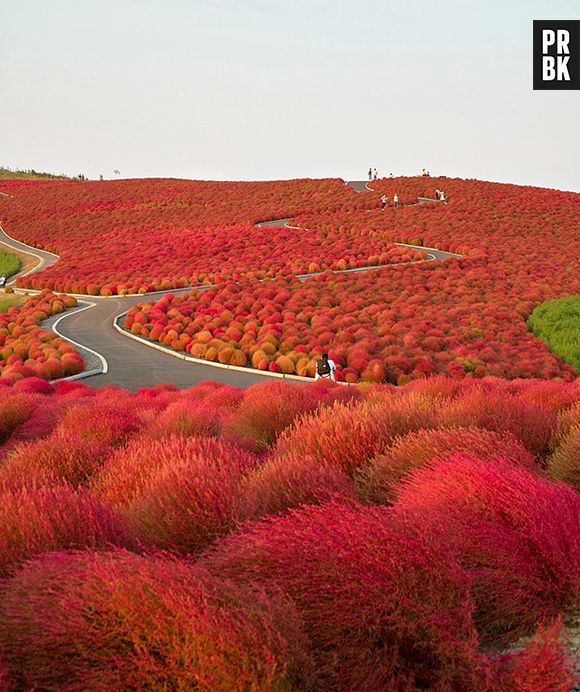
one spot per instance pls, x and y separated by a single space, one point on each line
263 89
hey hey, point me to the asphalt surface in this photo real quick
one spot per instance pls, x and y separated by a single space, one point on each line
132 364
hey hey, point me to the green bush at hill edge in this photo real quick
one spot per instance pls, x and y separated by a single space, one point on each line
9 263
557 323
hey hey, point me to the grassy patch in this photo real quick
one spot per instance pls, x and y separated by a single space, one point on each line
9 263
557 323
8 301
10 174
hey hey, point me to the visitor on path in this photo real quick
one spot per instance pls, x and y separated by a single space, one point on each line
442 196
396 201
2 280
384 201
375 175
437 194
370 174
325 368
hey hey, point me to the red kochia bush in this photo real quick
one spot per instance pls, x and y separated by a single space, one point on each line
543 664
377 480
27 417
178 493
118 621
347 436
515 532
188 416
60 456
531 422
268 408
99 422
283 483
38 520
383 609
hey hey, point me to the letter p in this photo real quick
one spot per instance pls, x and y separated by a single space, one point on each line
548 39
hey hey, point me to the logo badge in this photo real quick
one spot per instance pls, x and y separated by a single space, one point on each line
557 54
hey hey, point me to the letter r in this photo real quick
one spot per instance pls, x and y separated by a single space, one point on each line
563 41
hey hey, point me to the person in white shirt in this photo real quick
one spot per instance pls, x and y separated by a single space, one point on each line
396 201
384 201
325 368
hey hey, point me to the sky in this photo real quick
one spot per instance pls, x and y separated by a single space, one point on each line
270 89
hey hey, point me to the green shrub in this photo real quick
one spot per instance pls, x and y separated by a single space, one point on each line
557 323
9 263
8 301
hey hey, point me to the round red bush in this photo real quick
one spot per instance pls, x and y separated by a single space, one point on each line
178 493
118 621
42 519
280 484
515 532
383 609
349 435
377 480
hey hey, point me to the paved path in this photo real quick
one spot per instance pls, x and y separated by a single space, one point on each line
132 364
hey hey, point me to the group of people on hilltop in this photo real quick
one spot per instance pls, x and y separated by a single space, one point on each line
373 175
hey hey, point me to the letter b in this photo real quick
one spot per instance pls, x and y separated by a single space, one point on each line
548 68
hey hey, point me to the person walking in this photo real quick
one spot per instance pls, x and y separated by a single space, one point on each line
437 194
375 174
384 201
370 174
325 368
395 201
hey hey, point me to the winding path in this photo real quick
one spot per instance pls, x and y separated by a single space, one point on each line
114 359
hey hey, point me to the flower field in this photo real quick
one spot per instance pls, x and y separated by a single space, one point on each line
27 350
289 537
146 235
463 317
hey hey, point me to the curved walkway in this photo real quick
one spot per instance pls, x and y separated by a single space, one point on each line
113 359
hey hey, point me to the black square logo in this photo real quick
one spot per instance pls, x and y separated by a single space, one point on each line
557 54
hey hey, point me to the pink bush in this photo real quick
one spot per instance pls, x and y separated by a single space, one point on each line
349 435
120 621
514 532
377 480
531 422
177 493
60 457
382 608
188 416
38 520
283 483
268 408
98 422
